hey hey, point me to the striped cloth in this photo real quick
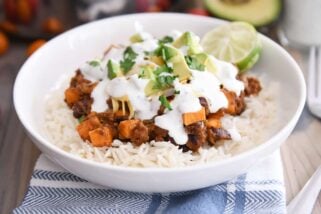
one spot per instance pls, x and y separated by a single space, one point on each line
53 190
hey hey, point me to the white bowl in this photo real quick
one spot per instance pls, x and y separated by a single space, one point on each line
66 52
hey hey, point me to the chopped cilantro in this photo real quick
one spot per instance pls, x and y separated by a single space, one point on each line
163 82
193 63
129 53
166 39
163 68
81 119
165 102
129 60
162 51
126 65
111 70
94 63
177 92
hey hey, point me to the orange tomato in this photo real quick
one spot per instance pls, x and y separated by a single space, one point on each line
4 43
52 25
34 46
8 26
24 12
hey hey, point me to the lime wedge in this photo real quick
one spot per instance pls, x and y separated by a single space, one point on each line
237 42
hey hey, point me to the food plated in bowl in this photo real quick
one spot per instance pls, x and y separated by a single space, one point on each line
161 161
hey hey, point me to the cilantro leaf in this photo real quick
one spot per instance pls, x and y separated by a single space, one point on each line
162 51
166 39
94 63
162 69
177 92
165 102
126 65
193 63
163 82
129 53
129 60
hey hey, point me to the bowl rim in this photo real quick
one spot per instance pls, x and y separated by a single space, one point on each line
46 143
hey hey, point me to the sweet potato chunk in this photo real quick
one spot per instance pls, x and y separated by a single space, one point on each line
88 125
102 136
126 127
214 119
193 117
212 122
72 95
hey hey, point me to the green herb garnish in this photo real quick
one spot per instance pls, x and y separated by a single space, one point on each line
81 119
129 60
111 70
94 63
163 69
193 63
165 102
177 92
163 82
166 39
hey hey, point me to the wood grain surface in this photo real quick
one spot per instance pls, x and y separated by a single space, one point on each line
301 153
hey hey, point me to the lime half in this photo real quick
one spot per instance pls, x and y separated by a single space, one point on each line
237 42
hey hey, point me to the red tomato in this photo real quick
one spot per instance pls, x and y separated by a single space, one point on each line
198 11
21 11
164 4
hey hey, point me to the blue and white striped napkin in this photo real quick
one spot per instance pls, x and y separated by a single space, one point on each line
53 190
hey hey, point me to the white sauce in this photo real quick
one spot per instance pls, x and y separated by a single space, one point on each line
207 85
185 101
226 73
175 34
133 87
184 50
115 53
100 96
93 73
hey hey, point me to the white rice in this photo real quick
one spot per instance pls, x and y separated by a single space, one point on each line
255 125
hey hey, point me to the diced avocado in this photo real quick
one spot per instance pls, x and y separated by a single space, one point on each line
136 38
113 69
176 58
149 88
256 12
191 41
147 72
157 60
206 60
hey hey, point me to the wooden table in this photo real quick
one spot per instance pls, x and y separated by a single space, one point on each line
301 153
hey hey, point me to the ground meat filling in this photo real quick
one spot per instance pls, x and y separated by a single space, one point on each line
100 129
78 95
252 86
196 135
216 134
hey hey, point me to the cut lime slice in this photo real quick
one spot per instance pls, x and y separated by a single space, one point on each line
237 42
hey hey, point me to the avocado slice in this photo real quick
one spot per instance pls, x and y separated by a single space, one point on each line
190 40
256 12
136 38
113 69
176 58
206 60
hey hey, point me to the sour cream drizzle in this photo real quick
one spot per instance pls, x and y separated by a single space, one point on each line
185 101
100 96
133 87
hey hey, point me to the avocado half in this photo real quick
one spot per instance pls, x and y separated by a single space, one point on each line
256 12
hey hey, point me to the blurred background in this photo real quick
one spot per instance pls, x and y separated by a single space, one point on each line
33 22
